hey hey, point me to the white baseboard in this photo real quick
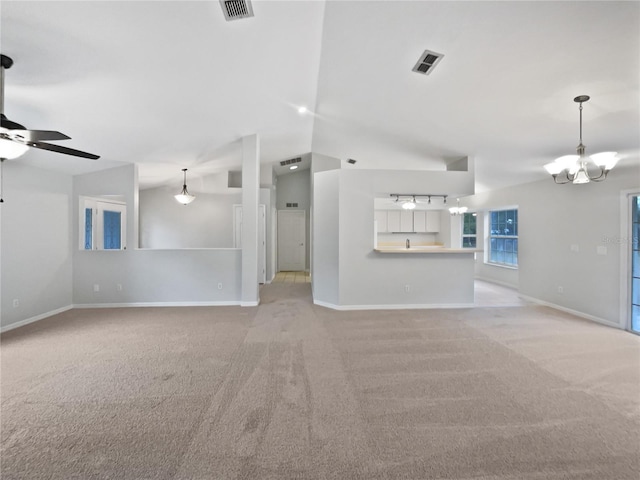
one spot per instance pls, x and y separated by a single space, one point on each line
577 313
249 304
42 316
392 306
497 282
157 304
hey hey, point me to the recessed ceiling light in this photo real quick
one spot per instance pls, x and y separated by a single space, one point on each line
302 110
293 167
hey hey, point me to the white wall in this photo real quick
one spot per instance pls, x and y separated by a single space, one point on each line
551 219
147 276
366 278
207 222
36 243
296 188
325 275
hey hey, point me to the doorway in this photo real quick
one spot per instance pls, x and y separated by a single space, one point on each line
291 240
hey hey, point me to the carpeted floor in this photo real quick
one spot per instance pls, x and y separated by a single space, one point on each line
288 390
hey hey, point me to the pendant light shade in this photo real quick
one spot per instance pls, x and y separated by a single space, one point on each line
184 197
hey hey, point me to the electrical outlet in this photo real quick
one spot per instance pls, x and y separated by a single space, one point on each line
96 287
560 289
118 287
220 286
16 303
407 288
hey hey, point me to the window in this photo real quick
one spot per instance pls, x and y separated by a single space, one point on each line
102 224
469 230
503 237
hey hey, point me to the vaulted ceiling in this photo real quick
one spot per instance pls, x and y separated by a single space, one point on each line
172 84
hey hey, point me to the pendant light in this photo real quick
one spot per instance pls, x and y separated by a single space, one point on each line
574 168
184 197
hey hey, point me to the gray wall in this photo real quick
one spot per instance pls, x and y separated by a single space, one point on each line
36 243
296 188
147 276
325 276
552 218
364 278
207 222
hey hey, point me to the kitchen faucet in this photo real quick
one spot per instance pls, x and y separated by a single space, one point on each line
408 244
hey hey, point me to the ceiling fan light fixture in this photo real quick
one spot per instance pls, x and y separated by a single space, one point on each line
10 150
184 197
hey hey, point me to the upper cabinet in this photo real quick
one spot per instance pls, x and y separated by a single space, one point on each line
393 221
381 218
433 221
408 221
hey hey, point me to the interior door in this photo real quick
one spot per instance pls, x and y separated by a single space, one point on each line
291 240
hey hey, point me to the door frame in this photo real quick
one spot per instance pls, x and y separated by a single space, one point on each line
626 243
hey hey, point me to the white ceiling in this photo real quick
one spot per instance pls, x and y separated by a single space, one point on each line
171 84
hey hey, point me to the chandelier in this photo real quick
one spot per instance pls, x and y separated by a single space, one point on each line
575 168
457 210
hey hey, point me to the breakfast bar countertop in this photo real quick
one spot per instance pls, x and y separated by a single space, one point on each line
423 249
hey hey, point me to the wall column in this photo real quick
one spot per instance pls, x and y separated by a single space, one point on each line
250 197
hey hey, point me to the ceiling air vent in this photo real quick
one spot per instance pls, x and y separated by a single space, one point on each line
236 9
427 61
290 162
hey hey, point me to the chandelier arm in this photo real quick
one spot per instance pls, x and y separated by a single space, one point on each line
599 178
555 179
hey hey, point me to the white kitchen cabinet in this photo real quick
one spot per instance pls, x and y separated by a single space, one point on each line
393 221
381 218
432 221
406 221
419 221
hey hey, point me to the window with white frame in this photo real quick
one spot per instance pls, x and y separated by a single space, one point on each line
503 237
102 224
469 239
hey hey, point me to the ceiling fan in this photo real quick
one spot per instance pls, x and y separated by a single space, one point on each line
15 139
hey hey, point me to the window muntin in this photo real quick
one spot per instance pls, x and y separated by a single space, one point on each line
503 237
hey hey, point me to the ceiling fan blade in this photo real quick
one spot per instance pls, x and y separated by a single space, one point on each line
8 124
38 135
67 151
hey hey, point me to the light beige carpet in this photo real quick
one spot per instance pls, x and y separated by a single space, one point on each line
288 390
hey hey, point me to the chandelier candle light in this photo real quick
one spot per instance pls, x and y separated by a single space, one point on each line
574 168
184 197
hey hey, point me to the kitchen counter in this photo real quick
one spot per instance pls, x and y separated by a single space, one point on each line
424 249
